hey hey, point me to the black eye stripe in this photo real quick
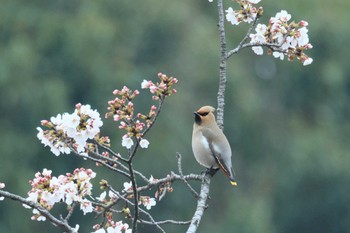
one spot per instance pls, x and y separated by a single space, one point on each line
204 113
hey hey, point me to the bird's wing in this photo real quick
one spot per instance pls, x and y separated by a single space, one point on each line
215 151
218 159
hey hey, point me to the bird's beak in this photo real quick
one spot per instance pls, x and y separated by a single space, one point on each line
197 118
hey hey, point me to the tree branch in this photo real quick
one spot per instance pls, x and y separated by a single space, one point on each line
201 204
165 222
63 224
222 67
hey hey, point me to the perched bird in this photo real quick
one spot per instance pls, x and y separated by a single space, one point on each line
209 144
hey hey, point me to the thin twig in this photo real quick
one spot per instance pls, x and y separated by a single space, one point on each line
119 163
165 222
111 151
160 104
63 224
136 197
240 45
179 165
170 178
140 209
70 212
100 161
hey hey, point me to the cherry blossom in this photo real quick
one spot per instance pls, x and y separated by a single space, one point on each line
290 39
232 16
247 12
144 143
48 190
148 202
127 186
258 50
83 124
308 61
127 142
113 227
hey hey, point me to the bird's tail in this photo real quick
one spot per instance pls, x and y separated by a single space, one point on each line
233 183
228 171
232 178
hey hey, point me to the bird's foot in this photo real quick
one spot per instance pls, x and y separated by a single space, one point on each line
211 171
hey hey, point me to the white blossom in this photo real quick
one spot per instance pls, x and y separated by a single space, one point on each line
308 61
127 186
144 143
231 16
254 1
278 55
258 50
127 142
86 206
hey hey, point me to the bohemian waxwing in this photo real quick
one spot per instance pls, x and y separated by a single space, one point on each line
209 144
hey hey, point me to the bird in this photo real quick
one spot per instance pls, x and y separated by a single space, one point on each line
210 145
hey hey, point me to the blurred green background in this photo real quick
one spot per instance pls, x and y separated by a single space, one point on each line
288 125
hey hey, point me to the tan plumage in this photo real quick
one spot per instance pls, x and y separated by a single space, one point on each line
209 144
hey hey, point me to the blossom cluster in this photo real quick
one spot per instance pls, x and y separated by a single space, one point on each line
160 89
47 190
247 13
113 227
285 38
70 129
146 201
121 109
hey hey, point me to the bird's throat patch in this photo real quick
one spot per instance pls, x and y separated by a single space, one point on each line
197 119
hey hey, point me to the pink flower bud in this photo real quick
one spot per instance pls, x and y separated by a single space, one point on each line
153 89
44 122
303 23
308 46
153 107
174 81
160 74
116 92
116 117
78 106
125 89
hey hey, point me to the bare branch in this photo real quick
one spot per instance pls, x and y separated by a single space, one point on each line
136 197
179 165
111 151
169 221
170 178
70 212
140 209
160 104
222 67
63 224
201 204
101 161
240 45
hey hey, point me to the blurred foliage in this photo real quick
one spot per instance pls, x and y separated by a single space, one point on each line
288 124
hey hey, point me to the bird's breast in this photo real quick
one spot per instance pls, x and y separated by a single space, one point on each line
202 152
